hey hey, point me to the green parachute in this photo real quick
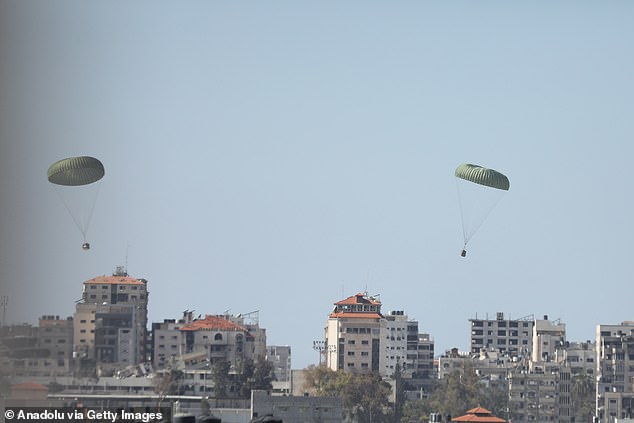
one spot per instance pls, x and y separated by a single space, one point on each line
479 191
76 180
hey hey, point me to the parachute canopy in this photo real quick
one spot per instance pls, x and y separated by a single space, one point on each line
479 190
76 171
483 176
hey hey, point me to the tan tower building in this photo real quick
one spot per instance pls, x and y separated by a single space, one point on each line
111 320
353 334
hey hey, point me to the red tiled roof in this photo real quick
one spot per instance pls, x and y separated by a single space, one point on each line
29 386
213 323
478 415
356 315
360 298
121 280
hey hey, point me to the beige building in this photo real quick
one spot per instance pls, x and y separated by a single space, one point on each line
353 334
55 335
44 350
195 342
359 338
111 319
548 338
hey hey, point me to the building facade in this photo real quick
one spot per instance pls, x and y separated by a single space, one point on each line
280 357
44 350
353 335
207 340
615 372
549 337
512 336
111 320
359 339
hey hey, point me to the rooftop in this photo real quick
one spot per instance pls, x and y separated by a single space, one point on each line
360 298
478 415
117 279
211 322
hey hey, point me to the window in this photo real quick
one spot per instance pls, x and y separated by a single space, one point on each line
218 337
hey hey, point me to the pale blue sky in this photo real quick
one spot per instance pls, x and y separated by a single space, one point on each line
281 155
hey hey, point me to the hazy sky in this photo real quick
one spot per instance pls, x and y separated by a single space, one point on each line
282 155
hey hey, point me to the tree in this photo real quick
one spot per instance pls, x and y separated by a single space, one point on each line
263 374
463 389
205 408
168 383
416 411
252 375
320 381
364 397
220 377
399 394
582 393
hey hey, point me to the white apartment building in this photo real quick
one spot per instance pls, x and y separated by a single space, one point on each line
511 336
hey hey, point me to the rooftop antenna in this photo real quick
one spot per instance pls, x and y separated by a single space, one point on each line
127 248
4 301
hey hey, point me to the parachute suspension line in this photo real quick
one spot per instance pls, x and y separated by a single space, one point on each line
462 218
483 217
82 224
478 196
72 215
92 209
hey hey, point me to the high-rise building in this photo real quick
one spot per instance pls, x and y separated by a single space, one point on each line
548 338
403 347
615 372
359 338
111 319
353 334
512 336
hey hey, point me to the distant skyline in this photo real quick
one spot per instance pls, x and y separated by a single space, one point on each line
281 156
